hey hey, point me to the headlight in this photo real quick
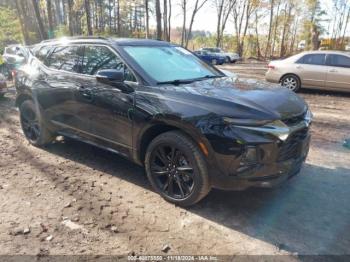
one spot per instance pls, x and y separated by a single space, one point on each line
309 116
245 122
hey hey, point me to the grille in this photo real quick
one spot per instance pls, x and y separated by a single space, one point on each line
294 120
292 147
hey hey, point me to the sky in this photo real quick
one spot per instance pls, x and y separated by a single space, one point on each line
206 17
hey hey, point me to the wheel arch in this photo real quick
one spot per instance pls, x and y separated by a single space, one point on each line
159 128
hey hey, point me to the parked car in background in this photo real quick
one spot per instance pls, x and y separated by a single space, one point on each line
210 58
3 85
15 54
315 69
192 127
229 57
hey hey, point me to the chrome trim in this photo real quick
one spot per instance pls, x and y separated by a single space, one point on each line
279 129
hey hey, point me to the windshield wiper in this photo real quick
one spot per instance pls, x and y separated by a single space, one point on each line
188 81
177 81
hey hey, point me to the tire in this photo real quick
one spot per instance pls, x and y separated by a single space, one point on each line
292 82
214 61
33 125
181 179
227 59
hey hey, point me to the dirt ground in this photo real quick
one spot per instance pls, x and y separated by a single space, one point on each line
71 198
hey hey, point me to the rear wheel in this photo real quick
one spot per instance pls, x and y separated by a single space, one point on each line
292 82
177 169
32 124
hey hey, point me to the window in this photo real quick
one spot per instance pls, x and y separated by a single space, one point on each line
168 63
313 59
100 57
42 52
67 58
339 60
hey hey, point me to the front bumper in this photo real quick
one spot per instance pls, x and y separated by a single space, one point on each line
276 161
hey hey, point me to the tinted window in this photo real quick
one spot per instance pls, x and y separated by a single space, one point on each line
100 57
339 60
314 59
67 58
42 52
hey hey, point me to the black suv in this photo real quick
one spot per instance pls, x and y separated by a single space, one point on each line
191 125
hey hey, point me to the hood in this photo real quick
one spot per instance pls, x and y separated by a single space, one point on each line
239 98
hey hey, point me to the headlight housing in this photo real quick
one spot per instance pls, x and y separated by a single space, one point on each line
245 122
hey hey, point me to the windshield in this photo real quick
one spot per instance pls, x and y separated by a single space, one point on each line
170 63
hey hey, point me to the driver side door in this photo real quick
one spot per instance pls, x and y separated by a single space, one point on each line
109 109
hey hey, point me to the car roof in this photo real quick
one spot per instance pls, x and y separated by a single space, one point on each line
336 52
104 40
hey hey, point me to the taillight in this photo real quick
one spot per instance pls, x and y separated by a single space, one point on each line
271 67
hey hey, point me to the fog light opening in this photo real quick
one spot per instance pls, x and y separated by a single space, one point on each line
250 155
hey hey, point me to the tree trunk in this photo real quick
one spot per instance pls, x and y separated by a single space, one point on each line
159 20
183 34
147 17
169 22
165 19
22 23
268 44
39 20
49 18
118 18
88 16
70 17
218 25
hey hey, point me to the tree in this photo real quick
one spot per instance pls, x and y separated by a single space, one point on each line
88 16
39 20
223 8
198 5
50 18
159 20
147 17
184 13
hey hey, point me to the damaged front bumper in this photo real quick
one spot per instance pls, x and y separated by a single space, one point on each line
261 156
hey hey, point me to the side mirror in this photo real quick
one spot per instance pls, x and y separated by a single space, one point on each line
110 76
114 78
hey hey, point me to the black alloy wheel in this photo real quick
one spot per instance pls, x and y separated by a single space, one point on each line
177 168
172 172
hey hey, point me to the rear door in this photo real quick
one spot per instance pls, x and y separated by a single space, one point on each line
61 80
338 75
312 70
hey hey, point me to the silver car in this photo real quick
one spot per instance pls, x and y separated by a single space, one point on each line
316 69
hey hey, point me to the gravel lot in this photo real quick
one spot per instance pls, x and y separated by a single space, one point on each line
71 198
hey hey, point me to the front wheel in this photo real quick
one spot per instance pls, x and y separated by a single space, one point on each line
33 125
291 82
176 168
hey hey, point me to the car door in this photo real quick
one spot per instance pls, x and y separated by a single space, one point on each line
312 70
338 75
61 79
109 109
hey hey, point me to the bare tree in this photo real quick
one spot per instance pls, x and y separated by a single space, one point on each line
88 16
198 5
184 13
159 20
49 18
147 17
39 20
223 8
268 43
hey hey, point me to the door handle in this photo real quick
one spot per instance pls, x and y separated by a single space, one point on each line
333 71
299 67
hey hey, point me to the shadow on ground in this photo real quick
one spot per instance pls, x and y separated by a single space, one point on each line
309 214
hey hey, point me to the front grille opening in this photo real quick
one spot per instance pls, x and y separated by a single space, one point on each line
292 147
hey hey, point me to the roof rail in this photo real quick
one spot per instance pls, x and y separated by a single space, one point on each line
74 38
